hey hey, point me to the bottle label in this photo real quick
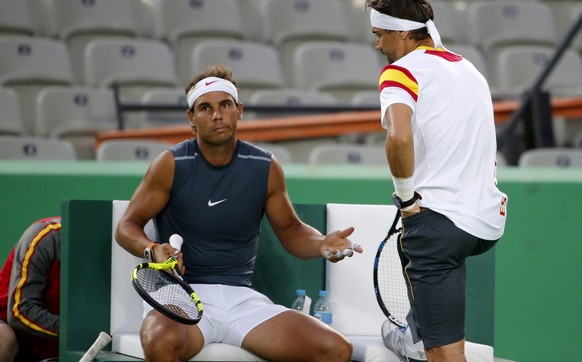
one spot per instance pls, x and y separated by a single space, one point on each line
325 317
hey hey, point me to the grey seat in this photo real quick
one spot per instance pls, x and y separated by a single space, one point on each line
551 157
35 149
348 154
130 150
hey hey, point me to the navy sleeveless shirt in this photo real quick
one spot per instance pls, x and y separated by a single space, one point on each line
218 211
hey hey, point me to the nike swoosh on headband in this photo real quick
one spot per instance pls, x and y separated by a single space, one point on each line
214 203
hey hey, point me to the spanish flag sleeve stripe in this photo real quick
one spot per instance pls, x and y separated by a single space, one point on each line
24 277
395 76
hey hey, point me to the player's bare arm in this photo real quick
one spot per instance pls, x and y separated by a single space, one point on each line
298 238
148 200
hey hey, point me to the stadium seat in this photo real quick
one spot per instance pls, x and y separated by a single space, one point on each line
339 68
185 23
499 23
282 153
165 96
515 68
286 24
29 64
565 14
10 120
366 98
35 149
348 154
134 65
551 157
15 18
79 22
444 21
287 97
255 65
75 114
130 150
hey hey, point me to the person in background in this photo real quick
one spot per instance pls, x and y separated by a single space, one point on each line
441 149
30 295
213 191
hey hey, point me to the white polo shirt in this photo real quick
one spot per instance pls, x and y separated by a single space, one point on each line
454 137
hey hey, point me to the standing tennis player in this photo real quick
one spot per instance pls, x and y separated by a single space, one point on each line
441 149
213 191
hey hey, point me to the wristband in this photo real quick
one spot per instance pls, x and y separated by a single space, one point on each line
148 253
404 187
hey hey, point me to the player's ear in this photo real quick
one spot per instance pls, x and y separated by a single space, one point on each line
191 119
240 108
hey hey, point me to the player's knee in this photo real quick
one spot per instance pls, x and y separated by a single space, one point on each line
337 348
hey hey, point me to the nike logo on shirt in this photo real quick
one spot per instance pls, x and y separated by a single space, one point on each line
213 203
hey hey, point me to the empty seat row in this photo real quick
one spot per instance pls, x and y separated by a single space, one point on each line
480 23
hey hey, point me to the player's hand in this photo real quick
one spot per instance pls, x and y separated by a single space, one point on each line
163 251
336 245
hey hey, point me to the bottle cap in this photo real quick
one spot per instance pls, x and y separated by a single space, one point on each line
300 292
323 293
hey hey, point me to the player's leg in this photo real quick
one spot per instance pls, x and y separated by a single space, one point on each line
437 250
163 339
8 343
453 352
294 336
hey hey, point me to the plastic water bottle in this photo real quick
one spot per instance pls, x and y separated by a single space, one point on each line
321 309
302 302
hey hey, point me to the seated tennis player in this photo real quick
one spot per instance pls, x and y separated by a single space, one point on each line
213 190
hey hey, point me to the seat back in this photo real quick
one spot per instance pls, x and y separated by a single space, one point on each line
339 68
123 319
348 154
498 23
24 68
515 67
79 22
551 157
185 23
15 18
10 119
135 65
286 24
35 149
165 96
287 97
254 65
62 111
357 302
130 150
282 153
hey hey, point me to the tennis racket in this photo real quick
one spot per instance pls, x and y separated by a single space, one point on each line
161 286
389 284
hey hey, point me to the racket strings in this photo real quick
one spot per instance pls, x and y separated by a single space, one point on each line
391 284
164 291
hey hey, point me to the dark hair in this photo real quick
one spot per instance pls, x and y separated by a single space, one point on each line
415 10
218 70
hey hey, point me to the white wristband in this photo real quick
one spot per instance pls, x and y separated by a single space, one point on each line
404 188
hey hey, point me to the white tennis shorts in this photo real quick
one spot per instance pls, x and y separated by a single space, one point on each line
230 313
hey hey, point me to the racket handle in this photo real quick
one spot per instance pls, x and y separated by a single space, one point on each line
176 241
97 347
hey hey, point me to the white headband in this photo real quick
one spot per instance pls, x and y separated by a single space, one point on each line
211 84
383 21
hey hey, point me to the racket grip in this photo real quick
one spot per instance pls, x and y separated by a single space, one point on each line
97 347
176 241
